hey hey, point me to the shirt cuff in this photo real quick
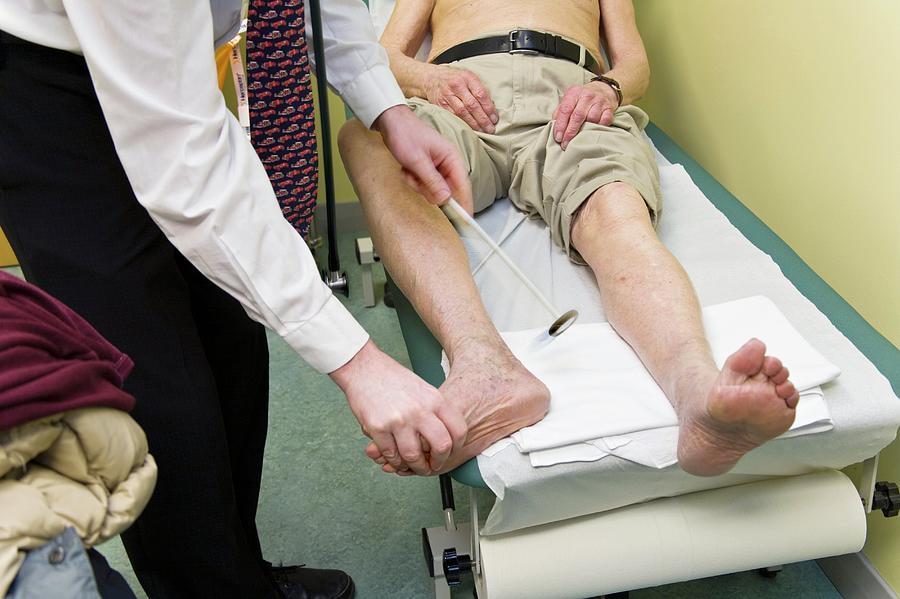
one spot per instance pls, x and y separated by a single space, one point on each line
373 92
329 339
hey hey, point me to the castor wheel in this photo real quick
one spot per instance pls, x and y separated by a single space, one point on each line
389 294
770 572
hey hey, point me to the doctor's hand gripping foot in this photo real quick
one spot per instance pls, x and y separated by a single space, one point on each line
749 402
407 418
496 394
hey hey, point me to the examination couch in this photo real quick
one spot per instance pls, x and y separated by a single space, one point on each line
628 519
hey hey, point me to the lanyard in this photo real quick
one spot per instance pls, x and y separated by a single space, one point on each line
239 78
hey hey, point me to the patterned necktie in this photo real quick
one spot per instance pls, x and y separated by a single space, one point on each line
282 122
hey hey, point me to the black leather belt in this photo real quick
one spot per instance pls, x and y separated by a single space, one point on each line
521 41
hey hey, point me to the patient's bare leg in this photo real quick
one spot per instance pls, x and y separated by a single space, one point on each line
650 302
426 259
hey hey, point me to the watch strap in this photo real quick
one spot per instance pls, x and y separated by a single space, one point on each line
612 83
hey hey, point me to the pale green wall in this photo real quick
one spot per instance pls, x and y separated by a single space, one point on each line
794 107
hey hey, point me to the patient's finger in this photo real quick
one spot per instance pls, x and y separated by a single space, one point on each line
483 96
411 451
563 111
460 110
576 119
474 107
608 116
595 113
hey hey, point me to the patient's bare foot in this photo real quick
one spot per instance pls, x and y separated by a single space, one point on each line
748 403
496 394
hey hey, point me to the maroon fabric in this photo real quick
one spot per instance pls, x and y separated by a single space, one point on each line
51 359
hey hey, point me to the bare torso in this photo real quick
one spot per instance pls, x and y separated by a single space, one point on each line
456 21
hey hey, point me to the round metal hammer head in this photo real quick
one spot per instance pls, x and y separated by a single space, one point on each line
562 323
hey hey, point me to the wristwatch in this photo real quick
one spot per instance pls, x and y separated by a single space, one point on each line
612 83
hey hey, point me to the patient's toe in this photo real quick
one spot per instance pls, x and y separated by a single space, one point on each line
751 402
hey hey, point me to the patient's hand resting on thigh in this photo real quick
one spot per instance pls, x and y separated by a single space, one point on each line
462 93
594 102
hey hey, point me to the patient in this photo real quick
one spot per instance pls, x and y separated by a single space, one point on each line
567 147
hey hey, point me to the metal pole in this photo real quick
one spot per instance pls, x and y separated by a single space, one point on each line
335 279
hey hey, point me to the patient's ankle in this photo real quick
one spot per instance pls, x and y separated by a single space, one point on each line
473 346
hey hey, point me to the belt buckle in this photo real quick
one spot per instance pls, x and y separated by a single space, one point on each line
513 45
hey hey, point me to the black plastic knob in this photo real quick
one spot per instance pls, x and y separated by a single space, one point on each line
454 566
886 499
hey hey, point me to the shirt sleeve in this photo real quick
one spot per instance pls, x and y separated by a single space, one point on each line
357 66
195 172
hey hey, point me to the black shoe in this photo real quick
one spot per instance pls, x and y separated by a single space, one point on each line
300 582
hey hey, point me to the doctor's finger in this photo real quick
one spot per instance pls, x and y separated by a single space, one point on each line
436 440
453 169
388 448
373 453
455 423
411 180
411 451
429 180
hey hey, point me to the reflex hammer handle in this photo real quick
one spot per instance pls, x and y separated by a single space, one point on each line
455 212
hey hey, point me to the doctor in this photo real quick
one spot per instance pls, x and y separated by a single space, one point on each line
129 192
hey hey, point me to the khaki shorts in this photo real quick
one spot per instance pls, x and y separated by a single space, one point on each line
522 160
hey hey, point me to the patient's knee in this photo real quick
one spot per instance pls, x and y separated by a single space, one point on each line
354 139
614 207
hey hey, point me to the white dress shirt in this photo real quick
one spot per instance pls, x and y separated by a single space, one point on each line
188 159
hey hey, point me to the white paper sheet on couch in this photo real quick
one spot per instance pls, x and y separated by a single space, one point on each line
657 448
600 388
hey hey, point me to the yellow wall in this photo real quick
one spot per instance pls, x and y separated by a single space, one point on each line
343 190
7 258
794 106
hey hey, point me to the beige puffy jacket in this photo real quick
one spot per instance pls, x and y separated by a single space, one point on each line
87 468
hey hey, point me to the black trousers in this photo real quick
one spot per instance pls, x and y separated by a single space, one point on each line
201 375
